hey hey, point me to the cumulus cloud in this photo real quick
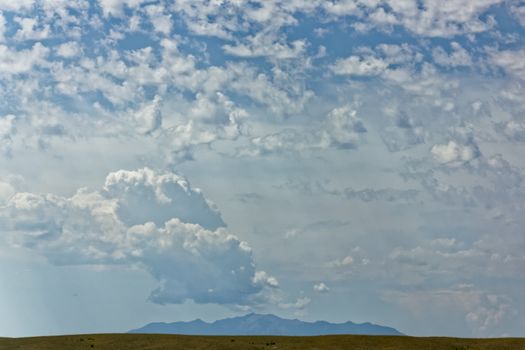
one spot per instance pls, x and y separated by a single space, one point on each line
161 82
8 5
16 62
69 49
156 221
341 129
261 45
116 7
321 288
518 10
510 61
160 20
513 130
7 190
457 57
31 29
7 130
2 27
346 261
359 66
149 117
455 154
299 304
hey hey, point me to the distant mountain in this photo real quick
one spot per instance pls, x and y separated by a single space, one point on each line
255 324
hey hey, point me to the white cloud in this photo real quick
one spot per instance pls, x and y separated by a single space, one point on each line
299 304
458 57
161 21
262 45
442 19
340 129
31 29
16 62
263 279
346 261
6 192
518 10
149 117
7 125
116 7
513 130
156 221
10 5
511 62
385 194
321 288
425 18
455 154
344 7
69 49
359 66
144 195
481 311
7 131
2 27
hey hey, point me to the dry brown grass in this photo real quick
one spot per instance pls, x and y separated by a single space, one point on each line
182 342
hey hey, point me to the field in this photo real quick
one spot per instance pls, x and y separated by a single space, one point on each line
175 342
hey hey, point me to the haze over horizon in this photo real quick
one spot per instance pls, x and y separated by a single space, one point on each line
338 160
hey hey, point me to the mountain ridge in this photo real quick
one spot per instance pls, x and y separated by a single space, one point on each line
264 324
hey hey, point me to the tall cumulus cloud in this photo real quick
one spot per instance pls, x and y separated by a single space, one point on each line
153 220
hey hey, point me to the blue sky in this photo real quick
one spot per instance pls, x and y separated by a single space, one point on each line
335 159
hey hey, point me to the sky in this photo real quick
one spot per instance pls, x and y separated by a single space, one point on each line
316 159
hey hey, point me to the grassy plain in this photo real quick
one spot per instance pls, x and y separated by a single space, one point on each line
183 342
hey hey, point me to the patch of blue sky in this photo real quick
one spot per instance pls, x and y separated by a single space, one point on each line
136 41
341 41
510 33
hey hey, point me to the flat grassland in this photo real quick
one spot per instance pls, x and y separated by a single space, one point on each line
184 342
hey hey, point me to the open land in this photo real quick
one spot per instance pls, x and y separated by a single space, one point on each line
184 342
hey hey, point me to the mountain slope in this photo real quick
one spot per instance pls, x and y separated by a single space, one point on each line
255 324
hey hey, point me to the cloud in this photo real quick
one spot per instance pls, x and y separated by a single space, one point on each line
454 154
346 261
457 57
69 50
387 194
249 197
513 130
518 10
145 196
510 61
2 27
321 288
16 62
341 129
299 304
116 7
31 29
481 311
155 221
7 130
149 117
8 5
359 66
261 45
160 20
424 18
7 190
